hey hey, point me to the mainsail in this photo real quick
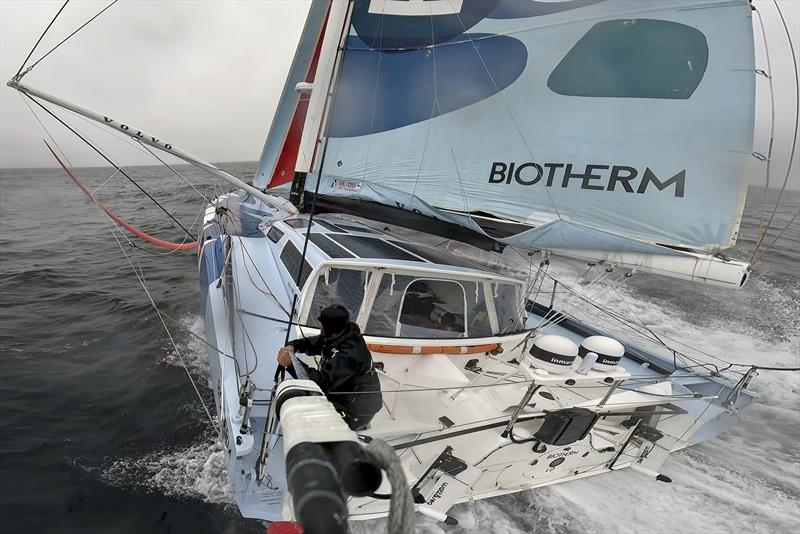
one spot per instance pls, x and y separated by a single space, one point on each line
625 126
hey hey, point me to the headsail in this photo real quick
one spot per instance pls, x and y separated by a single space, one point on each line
281 150
628 118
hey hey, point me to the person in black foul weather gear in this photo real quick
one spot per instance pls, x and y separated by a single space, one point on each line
346 374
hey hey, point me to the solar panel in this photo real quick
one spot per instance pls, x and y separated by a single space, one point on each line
435 256
329 247
328 226
352 228
370 247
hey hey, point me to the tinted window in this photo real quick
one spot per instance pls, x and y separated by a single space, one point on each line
297 223
369 247
292 259
274 234
338 286
633 58
329 247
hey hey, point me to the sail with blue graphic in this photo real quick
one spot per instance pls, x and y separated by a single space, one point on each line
602 125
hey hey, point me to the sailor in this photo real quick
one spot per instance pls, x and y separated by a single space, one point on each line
346 374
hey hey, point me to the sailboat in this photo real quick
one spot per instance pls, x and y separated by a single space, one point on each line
418 149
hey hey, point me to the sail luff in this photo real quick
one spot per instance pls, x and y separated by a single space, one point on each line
286 128
327 68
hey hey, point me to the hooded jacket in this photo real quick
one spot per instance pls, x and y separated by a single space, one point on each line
345 373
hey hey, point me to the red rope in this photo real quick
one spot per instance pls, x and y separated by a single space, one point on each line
150 239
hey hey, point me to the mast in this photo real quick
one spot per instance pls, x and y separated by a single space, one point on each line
284 136
155 142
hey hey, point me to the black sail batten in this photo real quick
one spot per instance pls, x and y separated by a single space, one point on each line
399 217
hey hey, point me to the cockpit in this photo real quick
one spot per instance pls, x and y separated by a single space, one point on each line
397 289
393 302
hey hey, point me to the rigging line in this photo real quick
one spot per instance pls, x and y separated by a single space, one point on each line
173 251
46 131
375 90
556 319
17 76
141 278
96 189
625 323
430 118
175 172
503 100
772 120
553 314
71 34
785 228
754 256
82 138
258 272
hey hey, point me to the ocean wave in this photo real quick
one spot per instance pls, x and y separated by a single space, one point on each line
198 471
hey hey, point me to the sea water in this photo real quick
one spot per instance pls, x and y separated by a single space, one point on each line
102 431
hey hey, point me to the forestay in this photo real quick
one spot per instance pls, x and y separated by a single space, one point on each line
629 118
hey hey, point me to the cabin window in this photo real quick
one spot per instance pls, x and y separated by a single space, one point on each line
508 305
297 223
633 58
292 259
274 234
386 306
338 286
432 308
478 322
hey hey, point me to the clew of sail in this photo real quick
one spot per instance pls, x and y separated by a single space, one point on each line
619 129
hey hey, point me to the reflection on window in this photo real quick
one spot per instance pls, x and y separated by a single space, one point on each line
478 322
508 304
338 286
386 307
432 308
633 58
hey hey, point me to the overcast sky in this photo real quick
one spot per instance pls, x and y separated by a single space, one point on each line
206 75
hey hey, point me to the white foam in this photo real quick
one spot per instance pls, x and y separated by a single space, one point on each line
197 471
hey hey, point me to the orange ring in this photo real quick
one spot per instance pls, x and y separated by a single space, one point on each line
431 349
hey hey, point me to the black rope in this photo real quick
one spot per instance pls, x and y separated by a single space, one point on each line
82 138
73 33
40 40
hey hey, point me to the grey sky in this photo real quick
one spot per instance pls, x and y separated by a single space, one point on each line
206 75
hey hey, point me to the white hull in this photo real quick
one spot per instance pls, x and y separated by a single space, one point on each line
461 426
